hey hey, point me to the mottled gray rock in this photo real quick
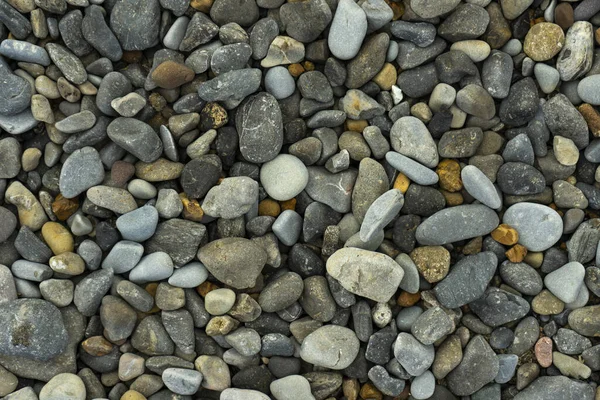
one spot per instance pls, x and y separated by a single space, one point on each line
432 325
334 190
410 137
234 197
330 346
260 128
413 170
380 213
234 261
69 64
362 272
563 119
82 170
414 356
137 137
558 387
576 57
457 223
136 23
467 280
97 33
478 367
498 307
33 329
231 86
566 281
480 187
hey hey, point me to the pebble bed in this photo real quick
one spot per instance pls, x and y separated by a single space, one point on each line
302 200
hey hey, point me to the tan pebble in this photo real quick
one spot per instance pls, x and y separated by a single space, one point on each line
68 91
592 117
421 111
159 170
221 325
449 174
88 89
67 263
31 158
544 41
41 109
386 78
132 395
58 238
545 303
516 253
433 262
31 212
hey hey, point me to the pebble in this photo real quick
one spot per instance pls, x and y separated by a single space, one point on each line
284 177
575 59
440 228
412 169
497 307
368 265
288 387
380 213
64 386
46 333
539 226
330 346
225 257
279 82
233 198
410 137
138 225
468 377
82 170
136 137
480 187
347 30
260 114
415 357
153 267
544 41
587 90
566 281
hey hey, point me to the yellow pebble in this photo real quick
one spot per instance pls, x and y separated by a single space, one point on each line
58 238
356 125
449 173
402 183
386 78
67 263
132 395
505 234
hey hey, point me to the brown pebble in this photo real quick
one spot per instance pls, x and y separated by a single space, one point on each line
206 287
370 392
120 173
63 208
516 253
591 116
97 346
474 246
505 234
202 5
191 208
598 35
296 70
543 352
563 15
288 205
408 299
132 56
170 75
269 208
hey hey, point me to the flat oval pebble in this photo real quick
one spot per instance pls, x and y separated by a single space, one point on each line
539 226
284 177
457 223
